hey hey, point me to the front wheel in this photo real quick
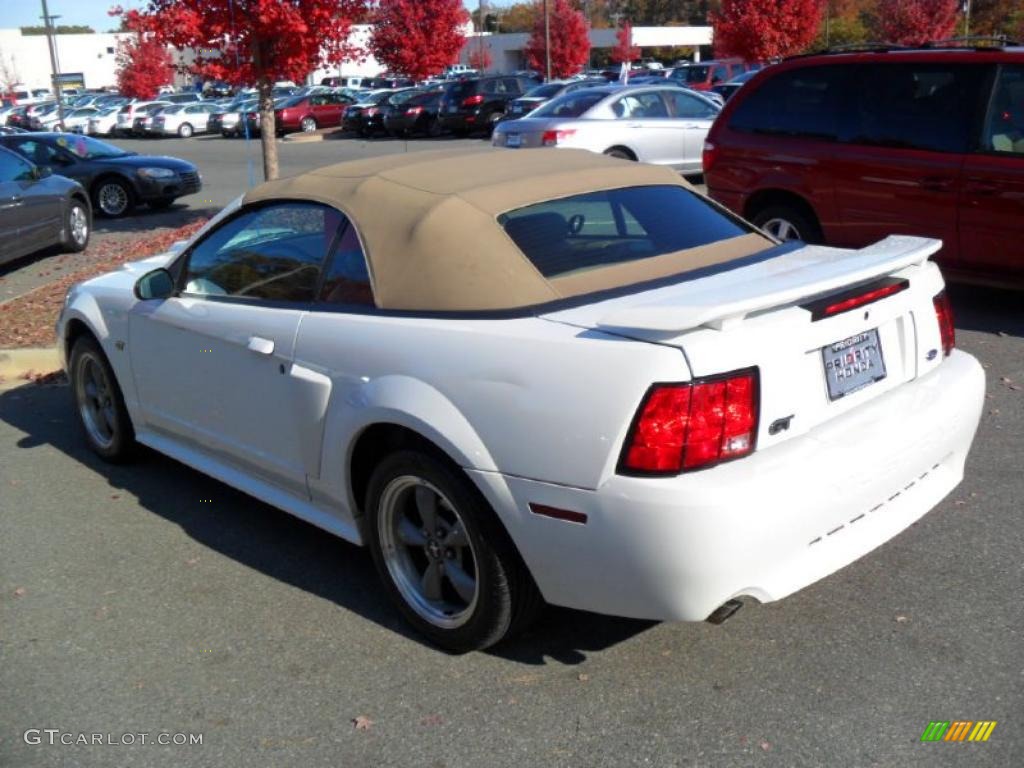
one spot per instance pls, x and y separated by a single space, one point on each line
787 223
76 227
308 125
444 558
185 130
99 402
113 197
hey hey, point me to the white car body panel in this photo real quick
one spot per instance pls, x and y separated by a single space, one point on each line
536 409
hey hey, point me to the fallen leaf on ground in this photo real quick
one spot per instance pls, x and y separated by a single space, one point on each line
19 592
192 561
583 677
901 619
362 723
766 746
432 720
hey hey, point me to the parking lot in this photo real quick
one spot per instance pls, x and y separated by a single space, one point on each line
151 599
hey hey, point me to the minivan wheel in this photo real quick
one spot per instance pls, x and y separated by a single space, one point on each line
443 556
76 227
99 403
787 223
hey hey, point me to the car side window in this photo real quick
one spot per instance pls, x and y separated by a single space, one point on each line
511 85
493 86
347 280
686 105
273 252
38 152
916 106
719 74
1004 124
802 102
13 168
637 105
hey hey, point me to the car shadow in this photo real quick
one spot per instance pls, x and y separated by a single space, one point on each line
277 544
145 219
985 309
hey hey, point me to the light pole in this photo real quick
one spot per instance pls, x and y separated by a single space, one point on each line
480 35
54 79
547 42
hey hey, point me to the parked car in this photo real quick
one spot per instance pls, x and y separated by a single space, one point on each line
846 148
187 97
478 103
252 117
582 408
343 82
355 120
103 123
728 88
542 94
10 130
417 114
307 113
665 125
229 122
368 121
116 180
389 82
182 120
75 120
127 114
39 209
18 117
706 75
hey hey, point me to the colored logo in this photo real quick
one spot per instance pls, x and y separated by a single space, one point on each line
958 730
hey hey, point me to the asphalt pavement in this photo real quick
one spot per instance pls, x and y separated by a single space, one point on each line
148 598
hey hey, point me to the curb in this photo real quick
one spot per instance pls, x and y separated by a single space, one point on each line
18 366
324 135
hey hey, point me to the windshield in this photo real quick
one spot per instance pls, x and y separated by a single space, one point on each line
570 105
692 74
546 91
90 149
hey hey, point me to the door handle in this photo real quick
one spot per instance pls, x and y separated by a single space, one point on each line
936 183
260 345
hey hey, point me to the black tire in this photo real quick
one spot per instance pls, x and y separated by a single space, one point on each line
619 152
801 225
308 125
185 131
507 599
100 191
121 444
77 226
160 203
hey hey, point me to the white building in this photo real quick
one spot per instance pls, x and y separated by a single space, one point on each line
27 59
506 50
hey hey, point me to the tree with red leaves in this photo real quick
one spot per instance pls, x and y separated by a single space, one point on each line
479 58
766 29
570 41
624 50
417 38
912 22
143 61
257 42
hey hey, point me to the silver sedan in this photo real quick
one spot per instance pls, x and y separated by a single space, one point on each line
664 125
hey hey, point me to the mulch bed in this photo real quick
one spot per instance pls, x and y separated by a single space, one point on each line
28 320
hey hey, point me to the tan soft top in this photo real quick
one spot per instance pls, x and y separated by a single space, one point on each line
428 224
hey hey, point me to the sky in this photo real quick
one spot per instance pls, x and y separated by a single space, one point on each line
25 13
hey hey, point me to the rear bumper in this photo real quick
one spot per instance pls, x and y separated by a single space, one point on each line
765 526
460 121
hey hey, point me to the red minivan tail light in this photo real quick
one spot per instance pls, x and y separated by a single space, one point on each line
709 155
472 101
944 314
682 427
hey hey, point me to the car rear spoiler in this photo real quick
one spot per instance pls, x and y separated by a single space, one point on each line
810 271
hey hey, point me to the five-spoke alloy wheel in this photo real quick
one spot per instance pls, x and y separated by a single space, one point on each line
99 403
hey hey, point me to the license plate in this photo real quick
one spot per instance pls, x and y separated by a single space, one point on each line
513 140
853 363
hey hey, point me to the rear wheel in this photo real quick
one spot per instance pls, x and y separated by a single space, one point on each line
788 223
99 402
185 130
308 125
619 152
443 556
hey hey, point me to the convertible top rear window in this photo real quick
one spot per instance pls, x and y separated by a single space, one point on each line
598 229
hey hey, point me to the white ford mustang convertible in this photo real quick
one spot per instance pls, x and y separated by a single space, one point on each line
533 376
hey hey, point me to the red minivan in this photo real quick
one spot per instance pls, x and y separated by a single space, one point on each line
847 148
307 113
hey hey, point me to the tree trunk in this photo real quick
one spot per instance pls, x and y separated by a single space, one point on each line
268 129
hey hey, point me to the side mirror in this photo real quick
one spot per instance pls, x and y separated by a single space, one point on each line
41 172
157 284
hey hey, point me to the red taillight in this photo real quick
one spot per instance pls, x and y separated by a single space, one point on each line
709 156
472 101
690 426
551 138
850 299
944 314
413 111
